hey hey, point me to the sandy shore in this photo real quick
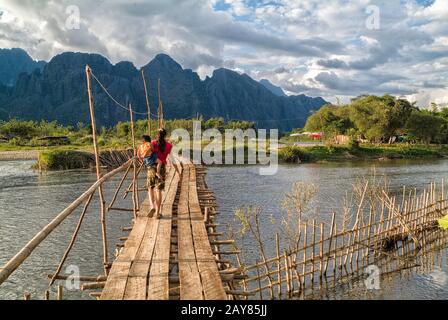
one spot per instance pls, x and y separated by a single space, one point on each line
19 155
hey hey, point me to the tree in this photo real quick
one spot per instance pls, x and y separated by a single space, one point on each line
123 129
370 116
424 127
329 119
379 118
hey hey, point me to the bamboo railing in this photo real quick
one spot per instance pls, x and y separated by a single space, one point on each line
328 255
85 198
116 162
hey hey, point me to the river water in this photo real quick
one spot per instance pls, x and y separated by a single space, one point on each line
29 200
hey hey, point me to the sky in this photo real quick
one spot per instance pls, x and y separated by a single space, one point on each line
336 49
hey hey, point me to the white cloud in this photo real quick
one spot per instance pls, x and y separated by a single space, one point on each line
321 47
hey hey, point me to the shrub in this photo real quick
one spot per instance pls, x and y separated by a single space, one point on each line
293 154
353 144
64 160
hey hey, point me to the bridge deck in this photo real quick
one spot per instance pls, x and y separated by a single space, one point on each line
142 269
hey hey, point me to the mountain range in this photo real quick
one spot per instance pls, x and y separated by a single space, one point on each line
34 90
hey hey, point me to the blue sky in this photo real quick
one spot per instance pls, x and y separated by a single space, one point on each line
332 48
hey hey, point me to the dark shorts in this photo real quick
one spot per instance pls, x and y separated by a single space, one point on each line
152 181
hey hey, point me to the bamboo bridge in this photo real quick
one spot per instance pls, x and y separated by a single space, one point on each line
182 239
178 256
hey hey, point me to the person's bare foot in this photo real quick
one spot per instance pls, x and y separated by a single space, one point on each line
159 215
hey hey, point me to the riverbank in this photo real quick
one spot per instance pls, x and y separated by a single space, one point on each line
367 152
8 152
19 155
289 154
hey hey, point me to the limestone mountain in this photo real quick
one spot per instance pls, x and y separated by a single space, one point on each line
58 92
15 61
278 91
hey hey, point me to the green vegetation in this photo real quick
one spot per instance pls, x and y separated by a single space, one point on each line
377 119
64 160
293 154
23 135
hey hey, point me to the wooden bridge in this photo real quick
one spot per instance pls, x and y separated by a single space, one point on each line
178 256
158 249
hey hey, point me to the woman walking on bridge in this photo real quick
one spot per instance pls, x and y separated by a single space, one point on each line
156 181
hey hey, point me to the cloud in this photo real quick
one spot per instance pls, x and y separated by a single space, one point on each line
315 47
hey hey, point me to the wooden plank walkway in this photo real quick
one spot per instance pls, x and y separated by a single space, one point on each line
142 269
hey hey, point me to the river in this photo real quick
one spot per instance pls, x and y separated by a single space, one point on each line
29 200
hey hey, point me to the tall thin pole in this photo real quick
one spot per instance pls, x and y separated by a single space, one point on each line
159 109
98 173
161 114
134 181
147 102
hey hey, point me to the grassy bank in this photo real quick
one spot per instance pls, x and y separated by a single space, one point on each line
64 160
293 154
73 156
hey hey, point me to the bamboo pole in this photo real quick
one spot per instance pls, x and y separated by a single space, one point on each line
372 217
17 260
159 109
333 220
321 251
114 198
335 256
130 187
147 102
400 220
313 253
47 295
305 239
60 293
80 278
279 274
98 168
72 241
134 162
288 284
259 284
291 275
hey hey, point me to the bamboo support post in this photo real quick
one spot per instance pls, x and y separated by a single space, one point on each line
60 292
279 274
98 173
134 180
321 251
288 284
333 221
259 284
72 241
305 239
80 278
147 101
313 249
117 190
